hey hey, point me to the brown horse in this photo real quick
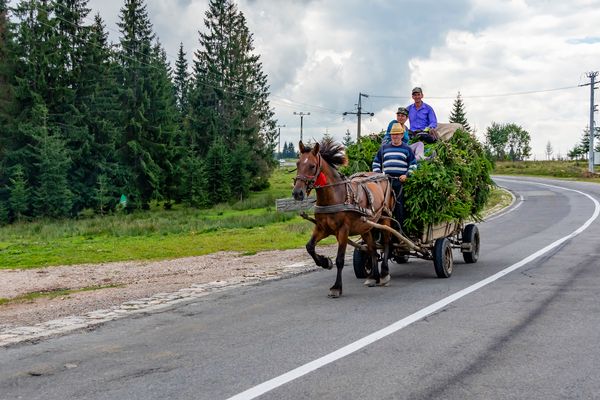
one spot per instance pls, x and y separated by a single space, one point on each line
343 206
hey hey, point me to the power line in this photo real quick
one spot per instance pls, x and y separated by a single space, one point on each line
483 95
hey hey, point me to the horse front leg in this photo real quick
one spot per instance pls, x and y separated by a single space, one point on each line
342 238
317 236
374 277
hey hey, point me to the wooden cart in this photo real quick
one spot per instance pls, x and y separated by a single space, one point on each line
436 243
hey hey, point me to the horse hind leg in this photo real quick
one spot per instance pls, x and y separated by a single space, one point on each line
374 278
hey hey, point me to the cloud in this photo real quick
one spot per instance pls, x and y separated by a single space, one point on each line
530 51
319 55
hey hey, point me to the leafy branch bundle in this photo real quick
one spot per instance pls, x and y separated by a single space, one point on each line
453 185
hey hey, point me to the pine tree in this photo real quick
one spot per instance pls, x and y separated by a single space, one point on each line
458 113
181 81
97 100
229 97
143 174
194 182
348 139
35 79
6 76
163 118
240 166
218 172
52 196
19 194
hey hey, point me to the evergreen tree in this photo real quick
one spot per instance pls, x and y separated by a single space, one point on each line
218 172
19 194
52 196
143 174
6 76
458 113
34 77
347 139
241 161
229 97
181 81
97 99
194 183
163 130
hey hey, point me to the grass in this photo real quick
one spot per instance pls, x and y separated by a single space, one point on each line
556 169
51 294
247 226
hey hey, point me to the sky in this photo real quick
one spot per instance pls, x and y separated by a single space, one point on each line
513 61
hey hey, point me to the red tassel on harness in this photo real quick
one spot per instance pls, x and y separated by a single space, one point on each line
321 180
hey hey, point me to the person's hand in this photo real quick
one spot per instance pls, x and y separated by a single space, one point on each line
402 178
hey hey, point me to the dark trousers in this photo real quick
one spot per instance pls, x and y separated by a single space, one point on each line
399 211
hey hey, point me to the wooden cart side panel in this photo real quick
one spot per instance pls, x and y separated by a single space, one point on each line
433 232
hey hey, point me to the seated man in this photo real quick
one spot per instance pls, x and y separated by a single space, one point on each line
417 146
396 160
421 116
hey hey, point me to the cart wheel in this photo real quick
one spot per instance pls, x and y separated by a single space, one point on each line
362 264
471 235
442 258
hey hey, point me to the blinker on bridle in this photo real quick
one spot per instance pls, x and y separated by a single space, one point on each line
310 180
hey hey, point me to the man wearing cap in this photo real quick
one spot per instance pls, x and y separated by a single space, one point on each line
401 117
420 114
396 160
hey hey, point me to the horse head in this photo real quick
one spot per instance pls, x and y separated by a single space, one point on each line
308 168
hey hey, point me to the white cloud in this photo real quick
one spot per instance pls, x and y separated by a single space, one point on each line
319 55
531 51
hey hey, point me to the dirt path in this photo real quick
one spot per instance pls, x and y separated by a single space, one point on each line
125 281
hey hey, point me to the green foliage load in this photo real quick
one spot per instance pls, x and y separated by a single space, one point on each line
454 185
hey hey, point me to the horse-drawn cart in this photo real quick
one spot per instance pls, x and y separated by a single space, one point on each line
436 243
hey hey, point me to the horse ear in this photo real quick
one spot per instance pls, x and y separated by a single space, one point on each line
301 147
315 150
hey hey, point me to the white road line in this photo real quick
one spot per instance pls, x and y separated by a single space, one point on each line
396 326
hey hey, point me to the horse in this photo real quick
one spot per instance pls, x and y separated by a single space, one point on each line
343 207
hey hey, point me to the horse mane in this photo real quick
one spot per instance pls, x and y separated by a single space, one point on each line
331 152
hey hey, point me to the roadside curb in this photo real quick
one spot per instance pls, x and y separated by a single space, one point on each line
160 301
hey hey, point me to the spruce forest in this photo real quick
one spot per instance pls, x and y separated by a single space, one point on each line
86 124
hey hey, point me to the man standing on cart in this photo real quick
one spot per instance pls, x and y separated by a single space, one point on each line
397 161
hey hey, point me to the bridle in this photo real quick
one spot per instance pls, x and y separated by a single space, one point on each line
309 180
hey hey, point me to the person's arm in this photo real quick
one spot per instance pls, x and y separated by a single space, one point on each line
432 118
412 162
377 162
387 138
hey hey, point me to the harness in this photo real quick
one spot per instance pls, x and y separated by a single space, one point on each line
352 200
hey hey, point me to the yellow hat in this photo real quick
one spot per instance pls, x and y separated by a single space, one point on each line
397 129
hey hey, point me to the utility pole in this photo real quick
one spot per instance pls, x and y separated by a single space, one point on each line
301 114
358 113
592 76
279 138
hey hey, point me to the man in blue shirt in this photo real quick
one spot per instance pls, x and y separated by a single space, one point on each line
396 160
420 114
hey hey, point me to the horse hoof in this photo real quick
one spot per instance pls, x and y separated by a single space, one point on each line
370 282
334 293
329 264
385 281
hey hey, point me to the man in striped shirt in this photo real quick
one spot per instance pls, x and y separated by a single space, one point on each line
396 160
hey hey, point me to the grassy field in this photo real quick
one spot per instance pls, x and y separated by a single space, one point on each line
557 169
248 226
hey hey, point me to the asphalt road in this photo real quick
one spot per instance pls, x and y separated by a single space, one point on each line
530 332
